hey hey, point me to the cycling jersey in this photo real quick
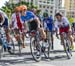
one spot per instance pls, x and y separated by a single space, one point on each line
3 32
49 23
4 22
63 25
28 16
14 21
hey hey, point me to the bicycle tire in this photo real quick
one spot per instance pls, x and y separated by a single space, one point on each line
67 50
37 59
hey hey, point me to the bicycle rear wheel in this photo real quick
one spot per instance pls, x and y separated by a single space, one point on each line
35 49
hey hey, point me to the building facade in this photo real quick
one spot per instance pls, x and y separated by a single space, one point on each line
70 8
51 5
59 7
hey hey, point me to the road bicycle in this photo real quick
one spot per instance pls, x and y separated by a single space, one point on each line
67 45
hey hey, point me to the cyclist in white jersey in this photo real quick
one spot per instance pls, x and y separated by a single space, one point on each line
63 25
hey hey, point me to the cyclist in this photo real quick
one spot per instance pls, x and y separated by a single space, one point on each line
49 25
63 25
28 16
37 13
73 30
17 26
4 24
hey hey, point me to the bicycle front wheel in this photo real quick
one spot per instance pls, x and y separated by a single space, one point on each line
35 49
68 50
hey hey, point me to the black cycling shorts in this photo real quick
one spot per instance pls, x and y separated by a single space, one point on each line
33 25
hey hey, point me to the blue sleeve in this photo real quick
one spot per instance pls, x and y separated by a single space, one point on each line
29 15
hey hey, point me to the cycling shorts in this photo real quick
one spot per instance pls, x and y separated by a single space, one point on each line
33 25
64 29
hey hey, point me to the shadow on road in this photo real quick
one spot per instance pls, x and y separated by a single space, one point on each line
27 58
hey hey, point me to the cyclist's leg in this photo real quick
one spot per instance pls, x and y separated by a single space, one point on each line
18 35
23 38
51 30
69 36
42 32
71 39
7 34
5 45
61 30
52 39
51 34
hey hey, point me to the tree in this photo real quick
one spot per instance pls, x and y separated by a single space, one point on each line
9 8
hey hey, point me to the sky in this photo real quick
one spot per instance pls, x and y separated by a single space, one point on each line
2 2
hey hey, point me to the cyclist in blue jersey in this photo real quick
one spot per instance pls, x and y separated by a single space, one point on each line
48 24
4 23
28 16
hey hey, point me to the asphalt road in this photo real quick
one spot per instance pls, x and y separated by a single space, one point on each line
58 57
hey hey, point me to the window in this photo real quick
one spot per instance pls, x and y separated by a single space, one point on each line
43 6
44 2
48 2
40 6
47 6
40 1
51 11
51 7
52 0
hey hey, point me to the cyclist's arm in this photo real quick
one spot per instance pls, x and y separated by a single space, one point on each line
56 28
65 20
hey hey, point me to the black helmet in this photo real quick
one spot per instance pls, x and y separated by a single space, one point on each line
58 14
45 15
